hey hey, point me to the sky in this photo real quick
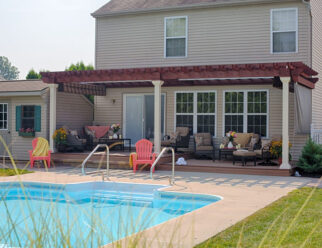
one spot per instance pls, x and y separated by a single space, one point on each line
47 34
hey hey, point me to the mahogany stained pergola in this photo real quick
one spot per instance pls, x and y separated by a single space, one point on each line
95 81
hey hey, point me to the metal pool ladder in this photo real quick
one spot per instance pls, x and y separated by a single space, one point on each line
107 160
157 160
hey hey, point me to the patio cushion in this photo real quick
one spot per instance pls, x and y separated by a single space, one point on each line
244 154
258 152
204 148
266 143
182 131
205 137
199 140
243 138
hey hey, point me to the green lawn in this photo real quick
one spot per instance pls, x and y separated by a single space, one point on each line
292 221
11 172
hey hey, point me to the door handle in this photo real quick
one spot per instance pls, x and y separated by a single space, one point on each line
9 132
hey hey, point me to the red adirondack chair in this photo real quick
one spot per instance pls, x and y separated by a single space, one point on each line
143 154
34 158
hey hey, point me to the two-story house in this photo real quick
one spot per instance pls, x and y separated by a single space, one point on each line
210 65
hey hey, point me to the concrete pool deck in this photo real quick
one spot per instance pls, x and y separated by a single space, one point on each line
243 195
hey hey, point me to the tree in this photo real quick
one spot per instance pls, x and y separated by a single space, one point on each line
311 158
32 74
80 66
8 71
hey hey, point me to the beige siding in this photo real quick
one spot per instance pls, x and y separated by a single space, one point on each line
224 35
317 61
73 110
21 145
107 112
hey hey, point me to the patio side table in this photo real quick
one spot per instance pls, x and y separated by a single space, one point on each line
226 151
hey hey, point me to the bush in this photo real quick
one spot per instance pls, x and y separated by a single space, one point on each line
311 158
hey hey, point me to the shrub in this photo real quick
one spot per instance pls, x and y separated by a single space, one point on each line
311 158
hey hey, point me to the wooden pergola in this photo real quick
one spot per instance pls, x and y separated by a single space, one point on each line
95 82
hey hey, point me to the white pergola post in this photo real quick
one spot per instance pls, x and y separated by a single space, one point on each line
285 127
52 114
157 115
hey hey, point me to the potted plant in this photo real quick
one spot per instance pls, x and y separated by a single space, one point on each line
115 128
231 135
276 150
26 132
60 138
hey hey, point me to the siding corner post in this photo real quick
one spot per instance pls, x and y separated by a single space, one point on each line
52 114
285 126
157 115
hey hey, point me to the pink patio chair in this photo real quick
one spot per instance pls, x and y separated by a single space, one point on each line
143 154
34 158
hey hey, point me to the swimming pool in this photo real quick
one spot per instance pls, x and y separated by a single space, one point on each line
86 214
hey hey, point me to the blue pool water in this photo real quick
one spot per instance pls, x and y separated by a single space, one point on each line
86 214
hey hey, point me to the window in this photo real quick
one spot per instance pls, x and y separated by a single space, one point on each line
175 37
28 117
3 116
206 112
246 111
284 30
234 111
196 110
184 110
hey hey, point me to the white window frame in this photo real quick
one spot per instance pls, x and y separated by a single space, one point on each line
195 112
165 37
296 31
245 114
5 129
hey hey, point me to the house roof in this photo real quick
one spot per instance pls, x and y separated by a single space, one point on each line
130 6
22 86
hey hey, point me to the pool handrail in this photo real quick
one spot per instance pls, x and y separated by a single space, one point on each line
107 159
157 160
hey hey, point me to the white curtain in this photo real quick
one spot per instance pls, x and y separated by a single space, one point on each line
303 109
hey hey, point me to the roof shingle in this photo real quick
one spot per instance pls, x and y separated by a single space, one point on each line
115 6
22 86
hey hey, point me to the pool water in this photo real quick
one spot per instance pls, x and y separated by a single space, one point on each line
86 214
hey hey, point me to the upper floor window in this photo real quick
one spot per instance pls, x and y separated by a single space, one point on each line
175 37
284 30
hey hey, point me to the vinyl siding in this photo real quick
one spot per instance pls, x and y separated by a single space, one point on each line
107 112
317 62
21 145
73 111
225 35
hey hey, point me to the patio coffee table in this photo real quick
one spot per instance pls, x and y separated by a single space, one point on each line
119 141
226 151
244 156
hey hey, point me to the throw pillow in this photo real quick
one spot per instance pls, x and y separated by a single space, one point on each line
174 136
266 143
199 140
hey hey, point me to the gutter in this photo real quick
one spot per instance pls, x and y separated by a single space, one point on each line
223 3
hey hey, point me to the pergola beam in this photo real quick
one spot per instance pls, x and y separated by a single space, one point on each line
205 72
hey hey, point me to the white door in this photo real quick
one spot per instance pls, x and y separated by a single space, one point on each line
4 128
139 116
